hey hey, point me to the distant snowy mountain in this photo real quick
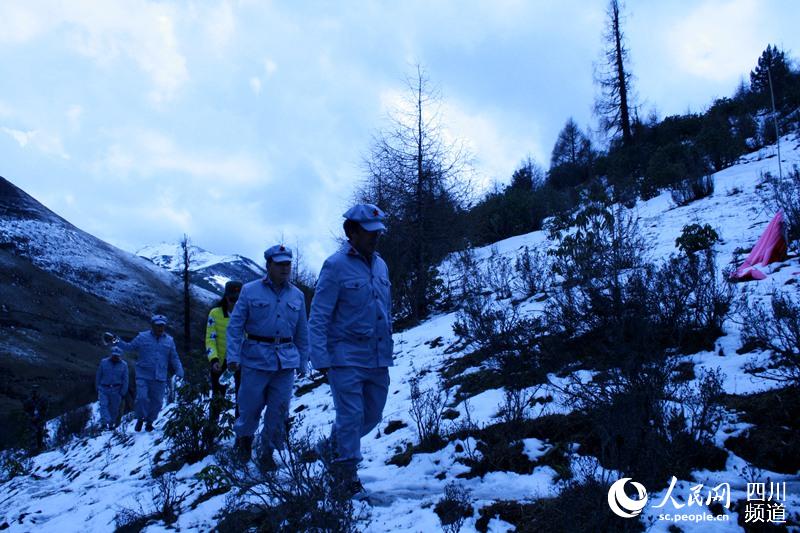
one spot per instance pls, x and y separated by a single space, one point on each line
208 270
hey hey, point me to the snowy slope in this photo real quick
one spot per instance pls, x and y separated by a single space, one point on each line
51 243
82 488
208 270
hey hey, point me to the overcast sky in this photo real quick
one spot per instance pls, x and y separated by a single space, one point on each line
238 122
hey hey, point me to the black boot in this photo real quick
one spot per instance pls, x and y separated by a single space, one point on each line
244 448
139 424
324 452
266 462
149 426
344 481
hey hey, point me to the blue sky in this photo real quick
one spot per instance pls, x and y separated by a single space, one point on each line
244 122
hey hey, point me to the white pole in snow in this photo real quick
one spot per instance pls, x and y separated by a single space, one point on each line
775 121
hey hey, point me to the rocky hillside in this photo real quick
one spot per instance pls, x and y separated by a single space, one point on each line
60 288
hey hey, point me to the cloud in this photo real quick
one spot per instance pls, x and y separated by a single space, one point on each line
167 209
220 24
46 143
486 134
255 85
139 30
22 137
21 23
715 40
151 153
498 147
74 114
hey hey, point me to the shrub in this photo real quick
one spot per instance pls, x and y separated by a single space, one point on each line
508 341
193 432
616 309
494 326
635 430
696 238
296 497
690 302
603 323
704 404
499 274
14 462
71 424
166 503
785 195
670 165
597 244
516 403
468 274
533 272
454 508
427 407
689 190
626 410
777 329
579 506
464 429
772 441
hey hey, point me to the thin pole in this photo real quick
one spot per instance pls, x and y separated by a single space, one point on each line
775 121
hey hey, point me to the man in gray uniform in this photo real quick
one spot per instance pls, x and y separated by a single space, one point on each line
156 356
111 383
268 339
351 340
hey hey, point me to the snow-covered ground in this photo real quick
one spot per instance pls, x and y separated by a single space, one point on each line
82 487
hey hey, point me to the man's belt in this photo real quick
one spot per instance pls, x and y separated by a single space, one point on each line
269 340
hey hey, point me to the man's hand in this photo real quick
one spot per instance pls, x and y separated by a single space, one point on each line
323 371
215 366
233 366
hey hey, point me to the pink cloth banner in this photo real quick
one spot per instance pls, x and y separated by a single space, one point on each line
770 247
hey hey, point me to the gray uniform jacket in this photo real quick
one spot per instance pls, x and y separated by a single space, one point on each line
265 311
156 356
111 375
351 315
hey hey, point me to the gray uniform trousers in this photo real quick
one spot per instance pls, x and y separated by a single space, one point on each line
149 398
109 398
359 395
272 388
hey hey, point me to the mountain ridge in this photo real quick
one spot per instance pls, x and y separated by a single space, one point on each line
61 288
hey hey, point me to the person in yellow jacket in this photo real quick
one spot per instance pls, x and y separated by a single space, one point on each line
216 341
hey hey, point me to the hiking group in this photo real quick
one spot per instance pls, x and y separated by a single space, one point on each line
261 333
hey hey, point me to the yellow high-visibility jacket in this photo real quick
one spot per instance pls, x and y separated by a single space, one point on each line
216 335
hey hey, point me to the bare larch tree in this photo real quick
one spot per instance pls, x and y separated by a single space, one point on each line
613 104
